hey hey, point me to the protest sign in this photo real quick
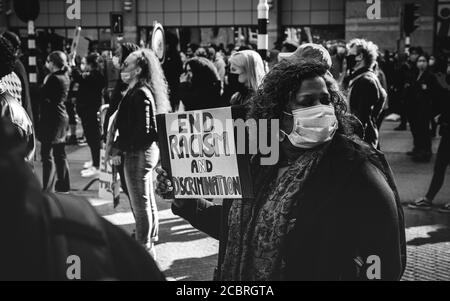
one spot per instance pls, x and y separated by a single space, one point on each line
198 151
105 178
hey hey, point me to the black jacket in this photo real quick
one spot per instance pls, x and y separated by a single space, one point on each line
136 121
36 247
351 210
367 98
423 94
53 114
90 89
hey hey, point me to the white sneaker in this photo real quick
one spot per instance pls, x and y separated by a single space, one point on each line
90 172
87 164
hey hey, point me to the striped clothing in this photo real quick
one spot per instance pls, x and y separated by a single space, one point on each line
11 83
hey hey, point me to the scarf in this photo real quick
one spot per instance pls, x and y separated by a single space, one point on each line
258 227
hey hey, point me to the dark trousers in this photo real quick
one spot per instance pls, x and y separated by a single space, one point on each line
91 128
70 107
55 170
419 121
440 167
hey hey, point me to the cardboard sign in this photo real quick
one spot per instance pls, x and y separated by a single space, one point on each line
105 185
199 153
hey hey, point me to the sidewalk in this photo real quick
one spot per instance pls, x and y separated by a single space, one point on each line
184 253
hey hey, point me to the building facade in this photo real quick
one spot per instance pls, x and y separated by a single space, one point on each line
227 21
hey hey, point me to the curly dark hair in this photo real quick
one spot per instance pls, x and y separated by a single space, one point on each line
7 58
284 80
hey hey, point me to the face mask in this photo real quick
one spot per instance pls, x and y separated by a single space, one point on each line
126 77
422 66
313 126
116 63
351 61
235 85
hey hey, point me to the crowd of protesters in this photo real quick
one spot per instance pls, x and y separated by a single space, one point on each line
330 103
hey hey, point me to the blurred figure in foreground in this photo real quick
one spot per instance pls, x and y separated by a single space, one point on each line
41 232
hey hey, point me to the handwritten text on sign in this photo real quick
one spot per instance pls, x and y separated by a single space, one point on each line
202 154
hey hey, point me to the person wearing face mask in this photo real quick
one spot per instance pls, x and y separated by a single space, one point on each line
146 96
407 75
200 86
245 76
89 99
173 68
122 52
53 124
366 95
327 204
423 92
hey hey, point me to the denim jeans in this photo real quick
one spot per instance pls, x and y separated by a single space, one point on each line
138 166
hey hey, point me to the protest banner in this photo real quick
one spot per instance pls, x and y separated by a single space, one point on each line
198 150
105 185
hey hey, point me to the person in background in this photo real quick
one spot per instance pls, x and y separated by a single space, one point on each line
200 86
11 82
408 71
201 52
71 104
421 95
246 74
218 61
366 95
443 153
13 112
337 67
191 49
20 71
383 81
146 96
53 124
433 66
89 99
173 68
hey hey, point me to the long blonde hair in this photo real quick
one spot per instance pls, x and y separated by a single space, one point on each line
252 64
153 77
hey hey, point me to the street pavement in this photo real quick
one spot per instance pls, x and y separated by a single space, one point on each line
184 253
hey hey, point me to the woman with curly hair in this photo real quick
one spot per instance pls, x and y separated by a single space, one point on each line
324 211
200 86
136 124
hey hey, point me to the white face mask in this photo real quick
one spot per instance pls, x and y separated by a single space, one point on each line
116 63
126 77
313 126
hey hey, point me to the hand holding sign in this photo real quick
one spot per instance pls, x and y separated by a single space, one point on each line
199 156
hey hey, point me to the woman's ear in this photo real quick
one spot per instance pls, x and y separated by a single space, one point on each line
138 71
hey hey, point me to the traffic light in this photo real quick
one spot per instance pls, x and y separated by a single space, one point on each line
117 23
410 17
1 6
